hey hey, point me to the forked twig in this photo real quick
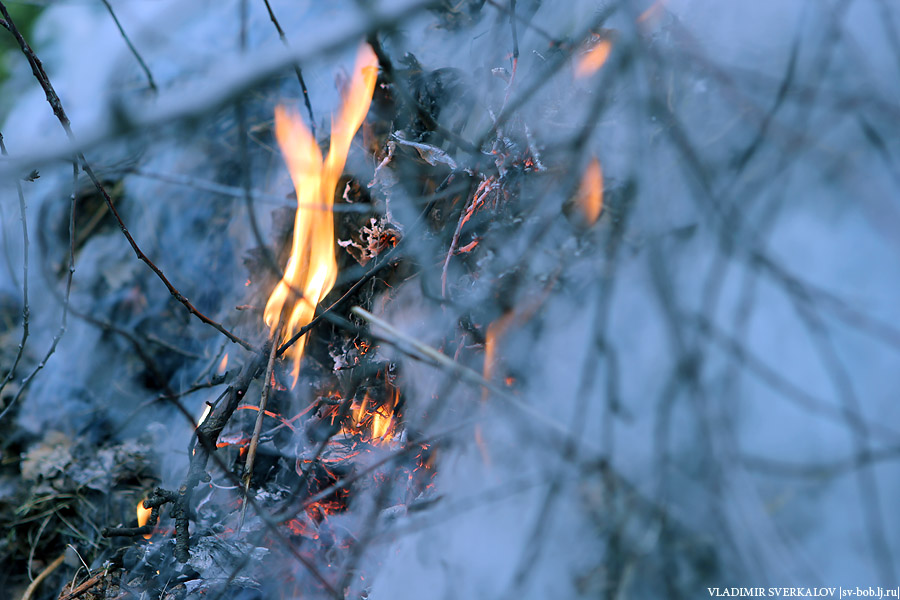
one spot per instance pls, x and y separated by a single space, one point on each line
65 311
131 47
219 90
37 69
312 120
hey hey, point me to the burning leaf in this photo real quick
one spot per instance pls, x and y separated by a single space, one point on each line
312 269
590 193
590 62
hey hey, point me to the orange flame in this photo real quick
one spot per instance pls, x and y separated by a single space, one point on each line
376 424
312 269
143 514
590 62
494 331
590 192
222 365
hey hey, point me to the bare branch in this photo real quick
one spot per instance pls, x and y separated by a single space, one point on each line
131 47
25 308
41 76
309 110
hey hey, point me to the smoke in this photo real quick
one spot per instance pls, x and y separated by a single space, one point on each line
696 391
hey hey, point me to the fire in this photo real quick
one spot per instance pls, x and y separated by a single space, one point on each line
312 269
223 365
593 59
494 331
375 423
143 514
590 192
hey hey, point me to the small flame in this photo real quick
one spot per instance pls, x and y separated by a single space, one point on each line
143 515
590 62
222 365
375 423
312 269
494 330
590 192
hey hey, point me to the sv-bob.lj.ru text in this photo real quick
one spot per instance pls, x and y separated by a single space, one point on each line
805 592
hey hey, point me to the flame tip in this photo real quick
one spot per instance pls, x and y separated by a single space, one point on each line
312 268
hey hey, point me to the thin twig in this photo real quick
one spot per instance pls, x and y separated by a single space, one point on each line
29 591
340 301
257 428
207 433
239 192
84 587
512 25
791 391
515 53
25 308
246 185
464 217
401 87
65 308
526 22
54 101
219 90
539 81
417 349
131 47
312 120
868 484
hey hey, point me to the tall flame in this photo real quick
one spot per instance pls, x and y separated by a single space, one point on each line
312 269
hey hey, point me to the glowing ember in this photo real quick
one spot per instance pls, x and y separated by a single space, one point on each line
590 62
143 514
311 269
590 193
